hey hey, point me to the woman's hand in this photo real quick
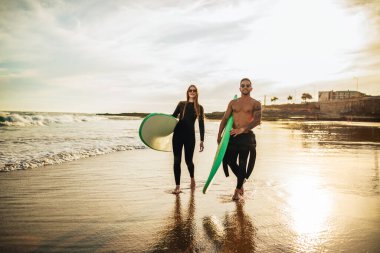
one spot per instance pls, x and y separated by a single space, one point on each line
201 147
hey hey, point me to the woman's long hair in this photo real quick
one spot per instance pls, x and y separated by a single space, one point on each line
196 104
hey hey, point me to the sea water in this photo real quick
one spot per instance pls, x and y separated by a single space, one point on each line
32 139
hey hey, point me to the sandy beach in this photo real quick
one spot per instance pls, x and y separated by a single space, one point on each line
304 196
79 79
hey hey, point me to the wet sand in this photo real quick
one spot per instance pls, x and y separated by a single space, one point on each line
310 192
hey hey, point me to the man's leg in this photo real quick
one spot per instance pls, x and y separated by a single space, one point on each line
252 160
243 157
232 154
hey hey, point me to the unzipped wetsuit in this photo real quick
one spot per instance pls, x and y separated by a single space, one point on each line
184 136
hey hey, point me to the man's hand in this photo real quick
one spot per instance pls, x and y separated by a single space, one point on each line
201 147
237 131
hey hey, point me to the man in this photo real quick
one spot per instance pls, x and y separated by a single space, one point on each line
246 114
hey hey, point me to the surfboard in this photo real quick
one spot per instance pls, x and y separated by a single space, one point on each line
220 151
156 131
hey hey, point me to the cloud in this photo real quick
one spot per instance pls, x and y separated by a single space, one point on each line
143 54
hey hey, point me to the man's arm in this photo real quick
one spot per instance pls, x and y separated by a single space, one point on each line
256 117
223 123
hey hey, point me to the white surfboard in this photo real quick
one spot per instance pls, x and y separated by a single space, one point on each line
156 131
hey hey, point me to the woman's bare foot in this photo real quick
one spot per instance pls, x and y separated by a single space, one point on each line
177 190
192 184
237 195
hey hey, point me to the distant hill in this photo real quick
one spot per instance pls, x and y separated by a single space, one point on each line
213 115
359 109
130 114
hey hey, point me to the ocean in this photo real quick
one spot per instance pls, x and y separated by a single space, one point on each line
33 139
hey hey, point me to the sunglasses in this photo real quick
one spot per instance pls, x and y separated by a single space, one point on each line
192 90
245 86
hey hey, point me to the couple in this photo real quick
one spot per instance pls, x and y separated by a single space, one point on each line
246 113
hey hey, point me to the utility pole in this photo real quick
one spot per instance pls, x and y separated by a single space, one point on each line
357 83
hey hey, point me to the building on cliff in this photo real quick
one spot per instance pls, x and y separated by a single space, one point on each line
349 104
324 96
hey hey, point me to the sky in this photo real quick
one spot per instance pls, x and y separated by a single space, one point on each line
140 56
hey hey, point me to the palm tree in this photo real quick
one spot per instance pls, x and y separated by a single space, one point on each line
306 96
273 99
290 98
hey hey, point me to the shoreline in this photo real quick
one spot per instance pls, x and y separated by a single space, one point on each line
276 116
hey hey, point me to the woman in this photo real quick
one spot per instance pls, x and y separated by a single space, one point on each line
184 134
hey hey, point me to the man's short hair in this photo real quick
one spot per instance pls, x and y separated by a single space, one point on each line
246 79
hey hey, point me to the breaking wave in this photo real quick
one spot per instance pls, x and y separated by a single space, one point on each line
33 119
61 157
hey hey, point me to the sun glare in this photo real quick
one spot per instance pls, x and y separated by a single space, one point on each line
309 206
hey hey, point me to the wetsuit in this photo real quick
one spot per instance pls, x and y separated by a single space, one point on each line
184 136
241 145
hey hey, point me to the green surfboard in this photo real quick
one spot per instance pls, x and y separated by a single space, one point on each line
220 151
156 131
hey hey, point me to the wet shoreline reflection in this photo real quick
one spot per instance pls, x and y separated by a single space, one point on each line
179 233
335 135
376 179
236 233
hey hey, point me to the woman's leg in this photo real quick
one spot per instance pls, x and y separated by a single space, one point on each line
177 152
189 153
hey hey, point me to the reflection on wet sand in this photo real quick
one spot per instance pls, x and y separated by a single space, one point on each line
179 234
309 205
236 234
375 180
338 133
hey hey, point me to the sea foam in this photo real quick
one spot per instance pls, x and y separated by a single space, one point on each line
32 119
31 140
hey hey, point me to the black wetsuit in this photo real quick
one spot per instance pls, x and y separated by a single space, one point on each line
184 136
241 145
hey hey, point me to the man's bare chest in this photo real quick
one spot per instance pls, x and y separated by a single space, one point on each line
246 108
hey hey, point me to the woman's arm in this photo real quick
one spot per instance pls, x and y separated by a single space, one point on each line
201 127
201 123
177 110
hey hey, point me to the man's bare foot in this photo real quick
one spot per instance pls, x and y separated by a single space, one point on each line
237 195
177 190
192 184
242 188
